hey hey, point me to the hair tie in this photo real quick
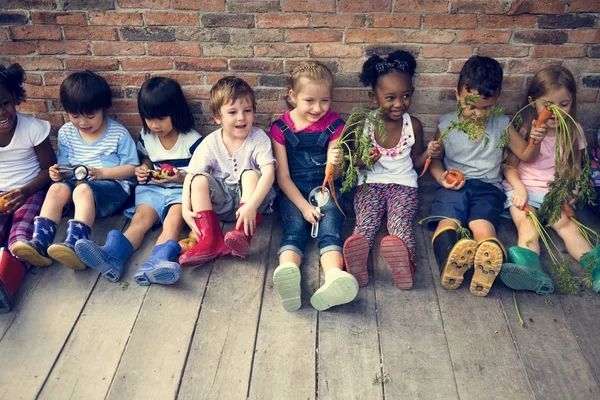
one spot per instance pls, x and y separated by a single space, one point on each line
384 66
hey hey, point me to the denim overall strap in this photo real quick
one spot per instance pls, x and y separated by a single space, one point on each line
287 132
324 138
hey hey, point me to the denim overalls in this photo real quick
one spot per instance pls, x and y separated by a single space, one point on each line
307 157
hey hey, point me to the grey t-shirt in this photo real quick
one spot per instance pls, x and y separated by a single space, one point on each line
471 157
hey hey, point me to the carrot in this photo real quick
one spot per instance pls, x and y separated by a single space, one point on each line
329 181
568 210
526 209
542 119
425 166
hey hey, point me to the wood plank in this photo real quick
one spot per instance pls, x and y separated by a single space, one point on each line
284 359
220 359
413 343
36 338
91 356
348 346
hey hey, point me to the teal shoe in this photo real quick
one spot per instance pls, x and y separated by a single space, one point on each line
592 258
525 272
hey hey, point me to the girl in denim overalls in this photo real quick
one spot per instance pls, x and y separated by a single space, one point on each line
304 140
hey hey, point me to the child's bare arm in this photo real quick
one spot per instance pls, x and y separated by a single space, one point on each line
246 215
114 173
517 144
418 152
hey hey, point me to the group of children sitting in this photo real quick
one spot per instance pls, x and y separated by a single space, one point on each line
180 177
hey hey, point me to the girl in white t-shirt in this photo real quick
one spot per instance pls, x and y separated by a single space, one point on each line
25 156
166 145
391 185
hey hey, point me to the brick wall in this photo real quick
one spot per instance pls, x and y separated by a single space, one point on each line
197 42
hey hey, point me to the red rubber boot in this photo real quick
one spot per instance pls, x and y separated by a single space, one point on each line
210 243
238 242
12 272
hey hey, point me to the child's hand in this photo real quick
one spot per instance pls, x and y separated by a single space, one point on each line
334 156
375 155
457 185
434 149
538 134
311 214
94 174
177 177
142 174
54 174
519 198
246 217
14 199
190 218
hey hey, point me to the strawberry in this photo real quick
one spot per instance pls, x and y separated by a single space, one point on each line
375 152
168 169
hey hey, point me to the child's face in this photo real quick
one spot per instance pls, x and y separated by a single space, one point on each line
393 94
236 118
477 109
560 97
90 124
8 112
161 126
312 100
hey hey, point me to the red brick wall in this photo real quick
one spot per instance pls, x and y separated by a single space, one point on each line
197 42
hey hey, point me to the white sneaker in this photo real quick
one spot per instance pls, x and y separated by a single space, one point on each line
286 280
340 287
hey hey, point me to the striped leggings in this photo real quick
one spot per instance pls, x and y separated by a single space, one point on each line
399 201
19 225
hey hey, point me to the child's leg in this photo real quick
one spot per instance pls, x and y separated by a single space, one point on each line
528 236
22 223
58 196
200 193
143 220
85 206
398 249
575 243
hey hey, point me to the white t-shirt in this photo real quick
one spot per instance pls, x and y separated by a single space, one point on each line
395 165
19 164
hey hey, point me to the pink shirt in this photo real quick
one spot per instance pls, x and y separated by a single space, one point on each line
537 174
318 126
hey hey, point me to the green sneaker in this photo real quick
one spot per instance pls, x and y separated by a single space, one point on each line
525 272
593 257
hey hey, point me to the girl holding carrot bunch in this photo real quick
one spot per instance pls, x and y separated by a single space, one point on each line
304 144
391 184
550 100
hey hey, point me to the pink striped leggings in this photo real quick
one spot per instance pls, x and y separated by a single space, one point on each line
399 201
19 225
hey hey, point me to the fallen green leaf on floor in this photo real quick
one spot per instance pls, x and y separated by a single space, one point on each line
379 379
124 285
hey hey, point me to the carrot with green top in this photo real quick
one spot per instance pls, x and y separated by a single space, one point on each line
544 116
329 168
590 235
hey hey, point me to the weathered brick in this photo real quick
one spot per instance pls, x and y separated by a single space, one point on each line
338 21
144 4
125 106
386 20
29 4
50 18
587 95
94 64
435 81
273 80
9 18
202 35
282 20
72 47
227 20
88 5
351 65
528 66
125 79
289 65
42 92
90 33
432 66
33 106
450 21
426 36
308 5
477 7
314 35
211 78
116 18
421 6
118 49
227 50
256 35
54 78
351 95
271 107
171 18
382 50
184 78
482 36
281 50
270 93
537 7
550 51
196 92
38 63
585 36
503 51
200 64
584 6
32 78
371 36
594 51
449 51
335 50
173 49
507 22
254 65
144 34
591 81
130 119
253 6
16 48
344 80
581 66
349 6
540 37
146 63
568 21
30 32
204 5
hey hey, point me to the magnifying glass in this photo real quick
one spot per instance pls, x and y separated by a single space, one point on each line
318 199
77 172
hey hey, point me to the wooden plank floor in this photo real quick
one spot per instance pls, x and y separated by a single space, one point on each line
221 333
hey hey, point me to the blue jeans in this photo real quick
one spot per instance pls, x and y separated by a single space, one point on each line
296 230
109 195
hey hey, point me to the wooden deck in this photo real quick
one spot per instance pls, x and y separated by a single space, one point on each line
221 333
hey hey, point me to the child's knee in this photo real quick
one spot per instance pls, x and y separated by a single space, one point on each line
200 183
59 191
83 193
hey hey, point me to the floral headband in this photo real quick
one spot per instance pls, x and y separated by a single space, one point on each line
385 66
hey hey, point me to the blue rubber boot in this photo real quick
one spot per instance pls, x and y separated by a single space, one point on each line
65 252
109 259
159 268
35 251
